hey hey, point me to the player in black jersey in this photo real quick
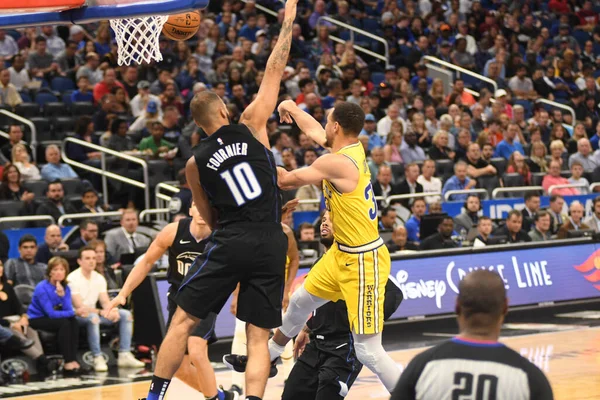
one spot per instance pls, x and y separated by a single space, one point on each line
326 365
474 365
184 240
233 179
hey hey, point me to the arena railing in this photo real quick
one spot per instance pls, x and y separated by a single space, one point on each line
567 186
106 214
153 211
163 200
28 218
385 57
593 186
33 142
145 185
394 198
461 70
498 191
467 192
561 106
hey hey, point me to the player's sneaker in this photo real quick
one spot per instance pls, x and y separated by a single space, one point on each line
238 363
228 394
237 389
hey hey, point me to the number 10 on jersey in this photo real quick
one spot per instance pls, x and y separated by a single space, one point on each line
242 183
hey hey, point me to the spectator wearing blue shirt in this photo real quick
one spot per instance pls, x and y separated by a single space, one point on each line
413 225
459 181
508 146
421 74
334 88
51 310
369 130
83 93
249 30
54 169
594 140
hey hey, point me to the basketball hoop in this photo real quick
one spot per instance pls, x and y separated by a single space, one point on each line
137 38
137 23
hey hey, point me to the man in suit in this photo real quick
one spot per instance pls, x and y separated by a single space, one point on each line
410 184
575 221
55 204
513 228
532 206
52 243
383 186
125 240
594 221
467 220
557 218
88 231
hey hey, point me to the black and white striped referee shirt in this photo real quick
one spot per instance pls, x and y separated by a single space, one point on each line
468 370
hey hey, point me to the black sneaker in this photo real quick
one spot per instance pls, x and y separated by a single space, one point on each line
237 389
230 394
238 364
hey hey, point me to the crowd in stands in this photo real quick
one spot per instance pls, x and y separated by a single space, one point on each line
420 135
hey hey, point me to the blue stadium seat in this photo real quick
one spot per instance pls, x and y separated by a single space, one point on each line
44 97
377 78
62 84
371 25
25 96
581 37
527 105
66 98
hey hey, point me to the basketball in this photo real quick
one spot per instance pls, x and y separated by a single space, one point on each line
182 26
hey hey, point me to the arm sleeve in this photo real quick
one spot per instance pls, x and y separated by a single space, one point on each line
539 386
10 270
15 305
406 387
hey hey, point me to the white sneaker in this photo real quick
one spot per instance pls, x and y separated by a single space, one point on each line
127 360
100 364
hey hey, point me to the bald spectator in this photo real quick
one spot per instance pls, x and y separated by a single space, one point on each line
477 166
410 151
399 241
385 124
54 169
460 181
575 221
430 183
554 178
377 160
53 242
541 229
383 186
9 96
584 156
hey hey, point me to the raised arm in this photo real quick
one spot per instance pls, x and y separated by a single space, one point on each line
159 246
257 114
288 110
334 167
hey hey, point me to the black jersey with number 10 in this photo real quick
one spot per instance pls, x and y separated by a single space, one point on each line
239 176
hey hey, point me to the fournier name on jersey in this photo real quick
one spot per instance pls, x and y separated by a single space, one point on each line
221 155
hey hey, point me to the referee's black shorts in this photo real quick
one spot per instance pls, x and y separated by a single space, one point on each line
320 375
252 254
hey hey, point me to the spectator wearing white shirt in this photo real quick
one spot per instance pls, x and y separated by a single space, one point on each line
140 101
577 178
430 183
88 288
463 32
8 46
19 76
385 124
54 44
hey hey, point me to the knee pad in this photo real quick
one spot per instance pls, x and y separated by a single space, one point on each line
367 356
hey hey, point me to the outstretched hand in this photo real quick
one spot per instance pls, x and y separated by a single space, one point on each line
284 110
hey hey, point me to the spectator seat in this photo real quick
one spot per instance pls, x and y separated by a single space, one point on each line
62 84
63 124
36 187
24 294
488 182
44 97
28 110
500 164
537 178
81 108
55 109
10 208
43 129
444 169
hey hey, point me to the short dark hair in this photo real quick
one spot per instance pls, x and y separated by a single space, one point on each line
481 292
385 211
274 137
303 82
13 125
514 212
310 151
83 249
54 182
202 106
446 218
26 239
350 116
540 214
40 39
84 224
483 218
555 197
305 225
530 196
418 199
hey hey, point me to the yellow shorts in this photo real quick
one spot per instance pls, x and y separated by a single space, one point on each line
357 278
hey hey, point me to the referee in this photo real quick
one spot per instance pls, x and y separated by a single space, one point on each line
474 365
327 365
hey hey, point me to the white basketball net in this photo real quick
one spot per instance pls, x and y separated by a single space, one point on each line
137 38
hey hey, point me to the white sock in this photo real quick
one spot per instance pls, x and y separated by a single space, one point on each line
238 346
275 350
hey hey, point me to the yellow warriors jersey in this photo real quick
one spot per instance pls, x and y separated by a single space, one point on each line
353 214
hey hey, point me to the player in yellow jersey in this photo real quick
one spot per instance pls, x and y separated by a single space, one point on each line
357 267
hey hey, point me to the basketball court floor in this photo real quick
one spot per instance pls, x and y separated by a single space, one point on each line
564 343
